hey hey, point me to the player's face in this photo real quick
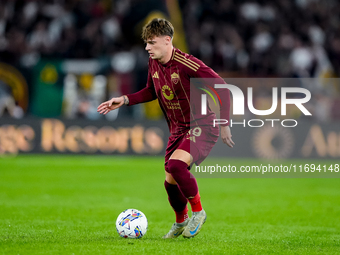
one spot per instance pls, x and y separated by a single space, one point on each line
157 47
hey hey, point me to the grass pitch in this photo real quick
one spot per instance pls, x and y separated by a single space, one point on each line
69 205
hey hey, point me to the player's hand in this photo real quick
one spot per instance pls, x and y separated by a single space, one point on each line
110 105
226 136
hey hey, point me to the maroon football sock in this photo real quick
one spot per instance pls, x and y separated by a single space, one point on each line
177 201
185 180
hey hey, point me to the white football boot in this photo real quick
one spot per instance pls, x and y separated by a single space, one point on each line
195 224
176 229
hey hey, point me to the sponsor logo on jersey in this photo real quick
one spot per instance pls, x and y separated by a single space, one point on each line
175 78
155 75
167 92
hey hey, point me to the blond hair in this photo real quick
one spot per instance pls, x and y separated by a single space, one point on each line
157 27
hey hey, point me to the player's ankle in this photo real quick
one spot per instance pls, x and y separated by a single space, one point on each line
195 203
182 216
182 220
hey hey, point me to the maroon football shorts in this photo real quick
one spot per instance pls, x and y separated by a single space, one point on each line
198 142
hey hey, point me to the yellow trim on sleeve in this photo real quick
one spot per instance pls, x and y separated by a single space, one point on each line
194 64
184 63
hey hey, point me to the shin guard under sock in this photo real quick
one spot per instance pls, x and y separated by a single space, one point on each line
185 180
177 201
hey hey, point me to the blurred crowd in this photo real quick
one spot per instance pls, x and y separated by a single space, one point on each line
281 38
57 28
240 38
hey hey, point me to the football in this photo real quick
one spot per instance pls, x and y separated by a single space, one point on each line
131 223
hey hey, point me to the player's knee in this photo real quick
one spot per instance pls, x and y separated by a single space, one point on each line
169 179
176 166
172 166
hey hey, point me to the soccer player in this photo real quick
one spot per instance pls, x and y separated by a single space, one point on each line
192 135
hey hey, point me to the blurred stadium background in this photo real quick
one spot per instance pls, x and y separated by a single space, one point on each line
60 59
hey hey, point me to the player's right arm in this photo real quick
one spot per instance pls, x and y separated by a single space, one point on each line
145 95
112 104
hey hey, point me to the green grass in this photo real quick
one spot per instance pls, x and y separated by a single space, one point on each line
69 205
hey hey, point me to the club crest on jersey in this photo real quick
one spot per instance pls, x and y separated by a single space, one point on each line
175 77
167 92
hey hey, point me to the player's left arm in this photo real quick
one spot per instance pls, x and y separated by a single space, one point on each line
226 136
211 77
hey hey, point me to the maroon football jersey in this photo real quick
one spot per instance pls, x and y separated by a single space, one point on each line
180 102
